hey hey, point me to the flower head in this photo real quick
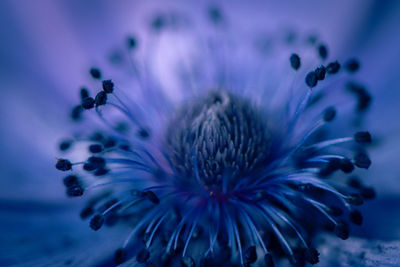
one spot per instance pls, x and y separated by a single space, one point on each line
242 170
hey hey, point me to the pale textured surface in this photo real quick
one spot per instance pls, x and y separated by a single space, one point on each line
359 252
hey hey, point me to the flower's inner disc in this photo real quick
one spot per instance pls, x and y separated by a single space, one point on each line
216 135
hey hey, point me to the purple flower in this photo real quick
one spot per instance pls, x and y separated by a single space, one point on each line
237 138
229 166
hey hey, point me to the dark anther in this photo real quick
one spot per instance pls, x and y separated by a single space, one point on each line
312 39
97 137
311 79
101 172
355 199
342 230
251 255
356 217
362 160
131 42
89 167
215 14
368 193
95 73
187 262
322 51
143 255
63 165
346 165
364 100
335 211
363 97
333 67
95 148
312 255
76 112
354 182
74 191
268 260
84 93
96 222
86 212
143 133
125 147
71 180
100 99
122 127
108 86
332 166
352 65
320 72
329 114
98 162
88 103
119 256
151 196
110 142
158 23
363 137
295 61
65 145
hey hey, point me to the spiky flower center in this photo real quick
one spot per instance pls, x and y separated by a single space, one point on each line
219 134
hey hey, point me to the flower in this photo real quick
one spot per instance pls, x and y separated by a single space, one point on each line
236 171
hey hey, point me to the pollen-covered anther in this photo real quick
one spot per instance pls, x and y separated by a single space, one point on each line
143 255
100 99
346 165
342 230
65 145
76 112
108 86
63 165
120 256
312 255
97 222
320 72
311 79
352 65
356 217
355 199
131 42
295 61
88 103
362 160
95 148
322 51
251 255
368 193
333 67
75 191
329 114
71 180
363 137
95 73
151 196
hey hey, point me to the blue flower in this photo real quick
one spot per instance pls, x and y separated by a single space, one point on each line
245 166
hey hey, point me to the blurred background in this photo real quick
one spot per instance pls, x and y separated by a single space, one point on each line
47 48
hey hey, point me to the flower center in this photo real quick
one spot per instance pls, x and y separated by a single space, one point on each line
219 134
